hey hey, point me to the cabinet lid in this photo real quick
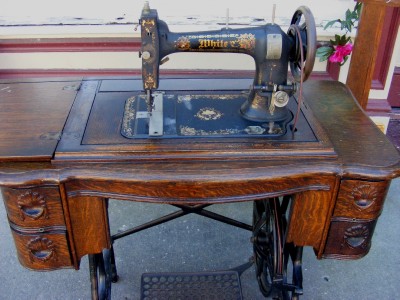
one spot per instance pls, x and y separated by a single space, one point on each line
32 116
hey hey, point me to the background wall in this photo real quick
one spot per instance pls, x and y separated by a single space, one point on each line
41 20
22 19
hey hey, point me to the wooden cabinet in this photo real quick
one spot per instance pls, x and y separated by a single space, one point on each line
357 209
56 177
37 223
360 199
42 251
34 206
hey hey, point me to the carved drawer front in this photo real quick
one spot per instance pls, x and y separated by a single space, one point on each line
348 238
361 199
34 206
42 251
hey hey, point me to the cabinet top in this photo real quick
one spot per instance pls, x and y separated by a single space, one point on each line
63 124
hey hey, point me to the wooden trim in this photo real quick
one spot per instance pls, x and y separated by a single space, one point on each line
382 2
378 84
365 51
321 75
70 45
394 92
333 69
378 106
64 200
396 70
386 47
121 44
35 73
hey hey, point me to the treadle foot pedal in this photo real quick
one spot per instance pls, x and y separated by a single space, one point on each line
181 286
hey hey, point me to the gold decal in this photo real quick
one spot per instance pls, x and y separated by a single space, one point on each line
212 44
149 23
209 113
190 131
183 43
149 81
247 41
182 98
129 116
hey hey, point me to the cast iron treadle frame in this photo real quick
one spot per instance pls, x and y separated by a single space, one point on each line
271 254
200 285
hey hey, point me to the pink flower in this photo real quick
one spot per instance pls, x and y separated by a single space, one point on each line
336 57
341 52
345 50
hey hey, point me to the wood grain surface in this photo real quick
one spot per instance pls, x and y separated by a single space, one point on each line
32 116
324 177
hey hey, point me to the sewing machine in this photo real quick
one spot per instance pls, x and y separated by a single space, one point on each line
273 50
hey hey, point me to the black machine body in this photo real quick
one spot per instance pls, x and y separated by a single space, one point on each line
272 49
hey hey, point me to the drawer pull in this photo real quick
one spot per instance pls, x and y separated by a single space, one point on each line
43 254
42 249
32 205
357 236
364 196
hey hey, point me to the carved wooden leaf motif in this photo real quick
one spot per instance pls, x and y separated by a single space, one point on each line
41 248
32 205
364 196
356 236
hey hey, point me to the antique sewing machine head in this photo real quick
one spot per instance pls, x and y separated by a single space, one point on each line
272 49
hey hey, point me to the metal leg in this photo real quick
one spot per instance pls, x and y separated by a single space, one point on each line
100 275
264 246
114 274
184 210
93 277
272 254
296 257
110 254
103 272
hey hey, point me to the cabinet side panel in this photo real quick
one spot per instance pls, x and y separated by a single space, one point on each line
310 215
88 216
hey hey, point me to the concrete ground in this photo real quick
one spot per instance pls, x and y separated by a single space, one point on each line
193 243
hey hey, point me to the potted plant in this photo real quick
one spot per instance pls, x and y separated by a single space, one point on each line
338 50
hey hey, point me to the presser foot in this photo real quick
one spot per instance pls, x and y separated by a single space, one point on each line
156 116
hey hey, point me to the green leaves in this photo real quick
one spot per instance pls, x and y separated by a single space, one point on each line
350 21
340 48
340 40
331 23
324 52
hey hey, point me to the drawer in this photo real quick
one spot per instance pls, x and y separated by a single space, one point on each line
36 207
42 251
348 238
361 199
